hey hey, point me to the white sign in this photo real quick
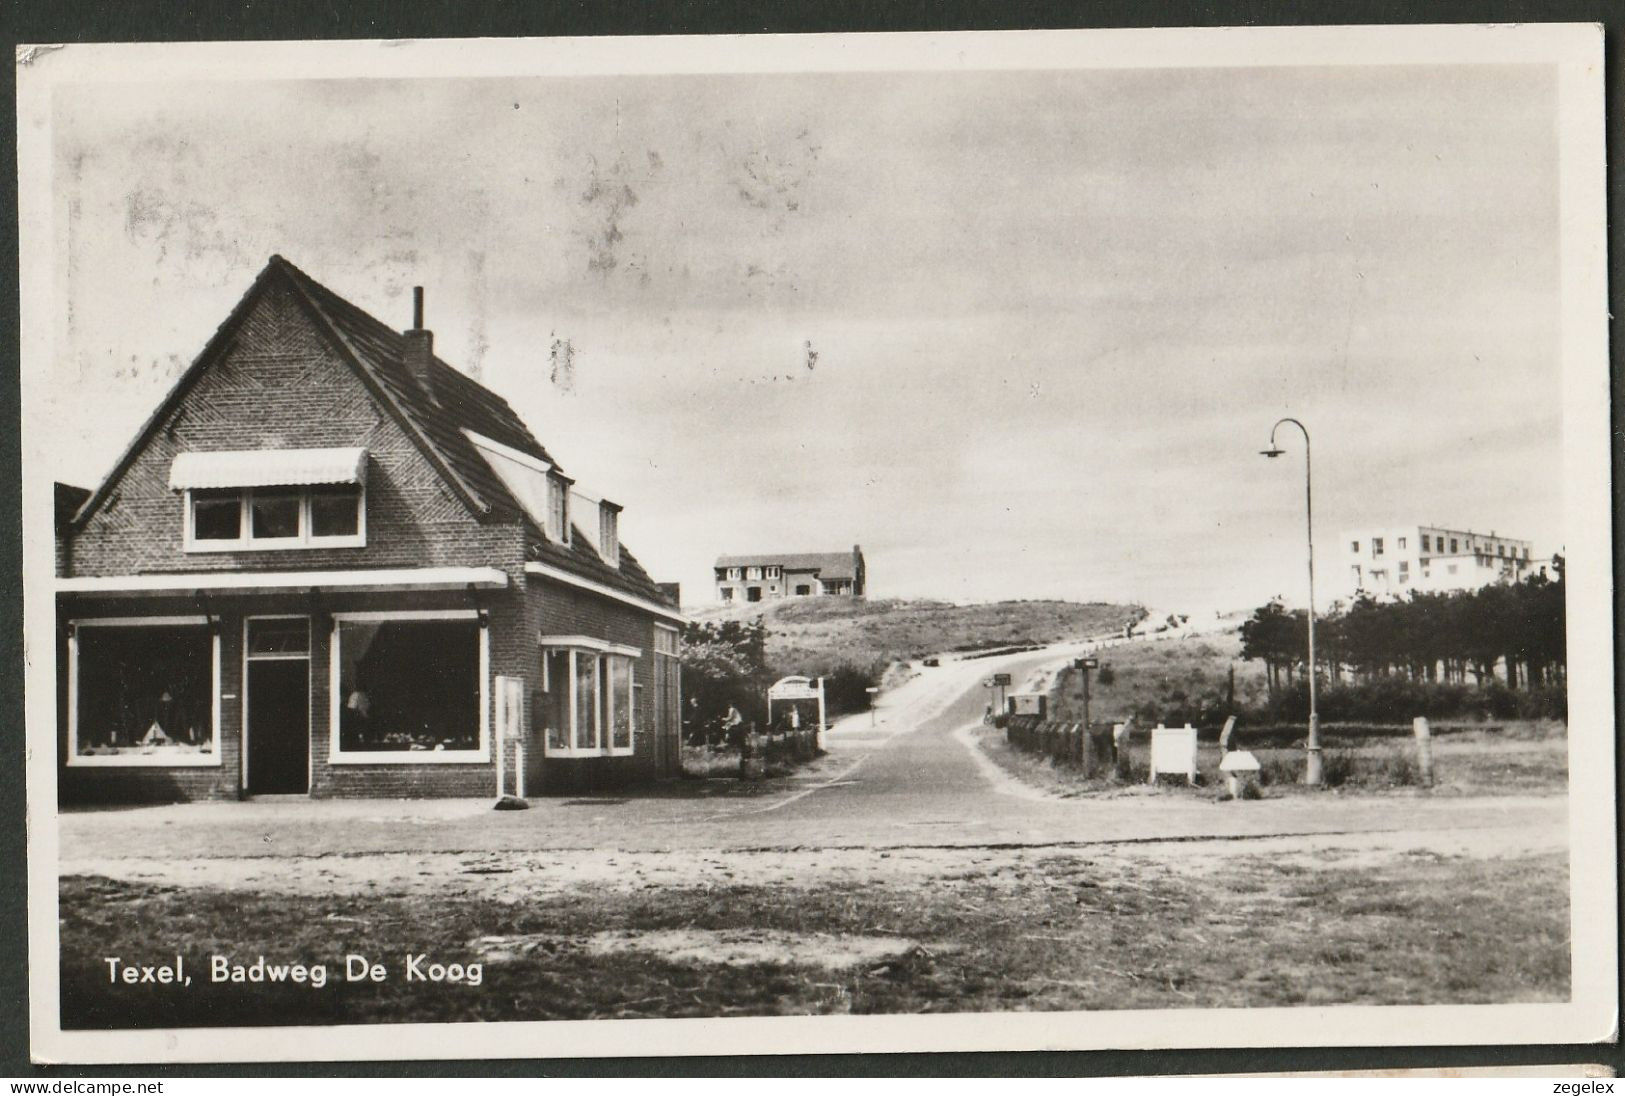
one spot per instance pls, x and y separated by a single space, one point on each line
1173 750
793 688
1239 761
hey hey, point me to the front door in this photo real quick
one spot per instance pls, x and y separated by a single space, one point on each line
277 705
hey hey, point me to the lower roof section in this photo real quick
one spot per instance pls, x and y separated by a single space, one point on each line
569 578
265 582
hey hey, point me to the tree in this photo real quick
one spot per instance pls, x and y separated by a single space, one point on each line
724 666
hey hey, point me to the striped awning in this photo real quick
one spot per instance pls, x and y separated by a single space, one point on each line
267 468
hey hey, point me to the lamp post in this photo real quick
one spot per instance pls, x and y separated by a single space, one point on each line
1312 768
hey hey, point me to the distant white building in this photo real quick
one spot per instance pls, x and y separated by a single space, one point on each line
1398 559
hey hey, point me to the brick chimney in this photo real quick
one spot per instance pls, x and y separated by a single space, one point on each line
418 350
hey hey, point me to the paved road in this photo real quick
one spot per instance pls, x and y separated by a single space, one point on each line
913 779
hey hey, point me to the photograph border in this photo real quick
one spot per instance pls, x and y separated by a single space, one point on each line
1586 429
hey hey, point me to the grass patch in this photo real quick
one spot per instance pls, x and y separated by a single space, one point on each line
818 635
1040 933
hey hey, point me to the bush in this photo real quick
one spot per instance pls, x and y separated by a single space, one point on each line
846 688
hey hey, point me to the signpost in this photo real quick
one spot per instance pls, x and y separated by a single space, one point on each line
999 682
1086 664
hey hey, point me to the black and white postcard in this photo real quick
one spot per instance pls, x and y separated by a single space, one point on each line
828 543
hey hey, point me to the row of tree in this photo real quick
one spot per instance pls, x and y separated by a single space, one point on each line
1513 635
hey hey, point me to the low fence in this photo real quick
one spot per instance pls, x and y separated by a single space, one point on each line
1096 750
785 746
1090 750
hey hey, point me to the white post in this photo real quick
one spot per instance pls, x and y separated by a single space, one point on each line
501 721
1424 748
819 738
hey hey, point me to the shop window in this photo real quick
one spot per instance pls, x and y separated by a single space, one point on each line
233 519
802 590
410 687
589 704
143 692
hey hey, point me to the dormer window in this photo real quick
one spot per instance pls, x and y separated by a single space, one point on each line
272 499
558 509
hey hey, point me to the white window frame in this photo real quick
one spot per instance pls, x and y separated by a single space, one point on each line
209 760
753 574
597 651
736 574
558 509
247 541
480 755
772 571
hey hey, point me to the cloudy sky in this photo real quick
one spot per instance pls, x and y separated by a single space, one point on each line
1019 334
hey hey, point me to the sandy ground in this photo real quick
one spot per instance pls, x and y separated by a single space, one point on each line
511 877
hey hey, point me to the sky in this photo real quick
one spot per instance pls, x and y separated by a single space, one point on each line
1019 334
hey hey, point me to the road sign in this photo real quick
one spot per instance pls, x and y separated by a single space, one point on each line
1001 679
1086 664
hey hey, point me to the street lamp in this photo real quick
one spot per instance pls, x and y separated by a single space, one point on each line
1312 769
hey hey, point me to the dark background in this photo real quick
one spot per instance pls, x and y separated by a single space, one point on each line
50 21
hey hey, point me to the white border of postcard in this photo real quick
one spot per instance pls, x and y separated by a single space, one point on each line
1576 50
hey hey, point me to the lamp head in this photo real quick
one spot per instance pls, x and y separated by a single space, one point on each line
1272 451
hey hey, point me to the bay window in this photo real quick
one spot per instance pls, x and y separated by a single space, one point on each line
143 691
409 687
589 700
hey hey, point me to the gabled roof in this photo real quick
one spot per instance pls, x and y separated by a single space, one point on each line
435 421
825 564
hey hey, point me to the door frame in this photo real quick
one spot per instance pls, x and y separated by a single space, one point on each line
310 688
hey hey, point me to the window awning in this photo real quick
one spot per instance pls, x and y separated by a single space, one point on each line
268 468
274 582
590 643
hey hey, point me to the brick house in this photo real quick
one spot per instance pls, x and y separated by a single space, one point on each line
770 576
331 564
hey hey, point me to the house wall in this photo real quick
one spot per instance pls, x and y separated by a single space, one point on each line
565 610
262 394
511 635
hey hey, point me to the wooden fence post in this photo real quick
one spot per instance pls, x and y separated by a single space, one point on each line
1424 748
